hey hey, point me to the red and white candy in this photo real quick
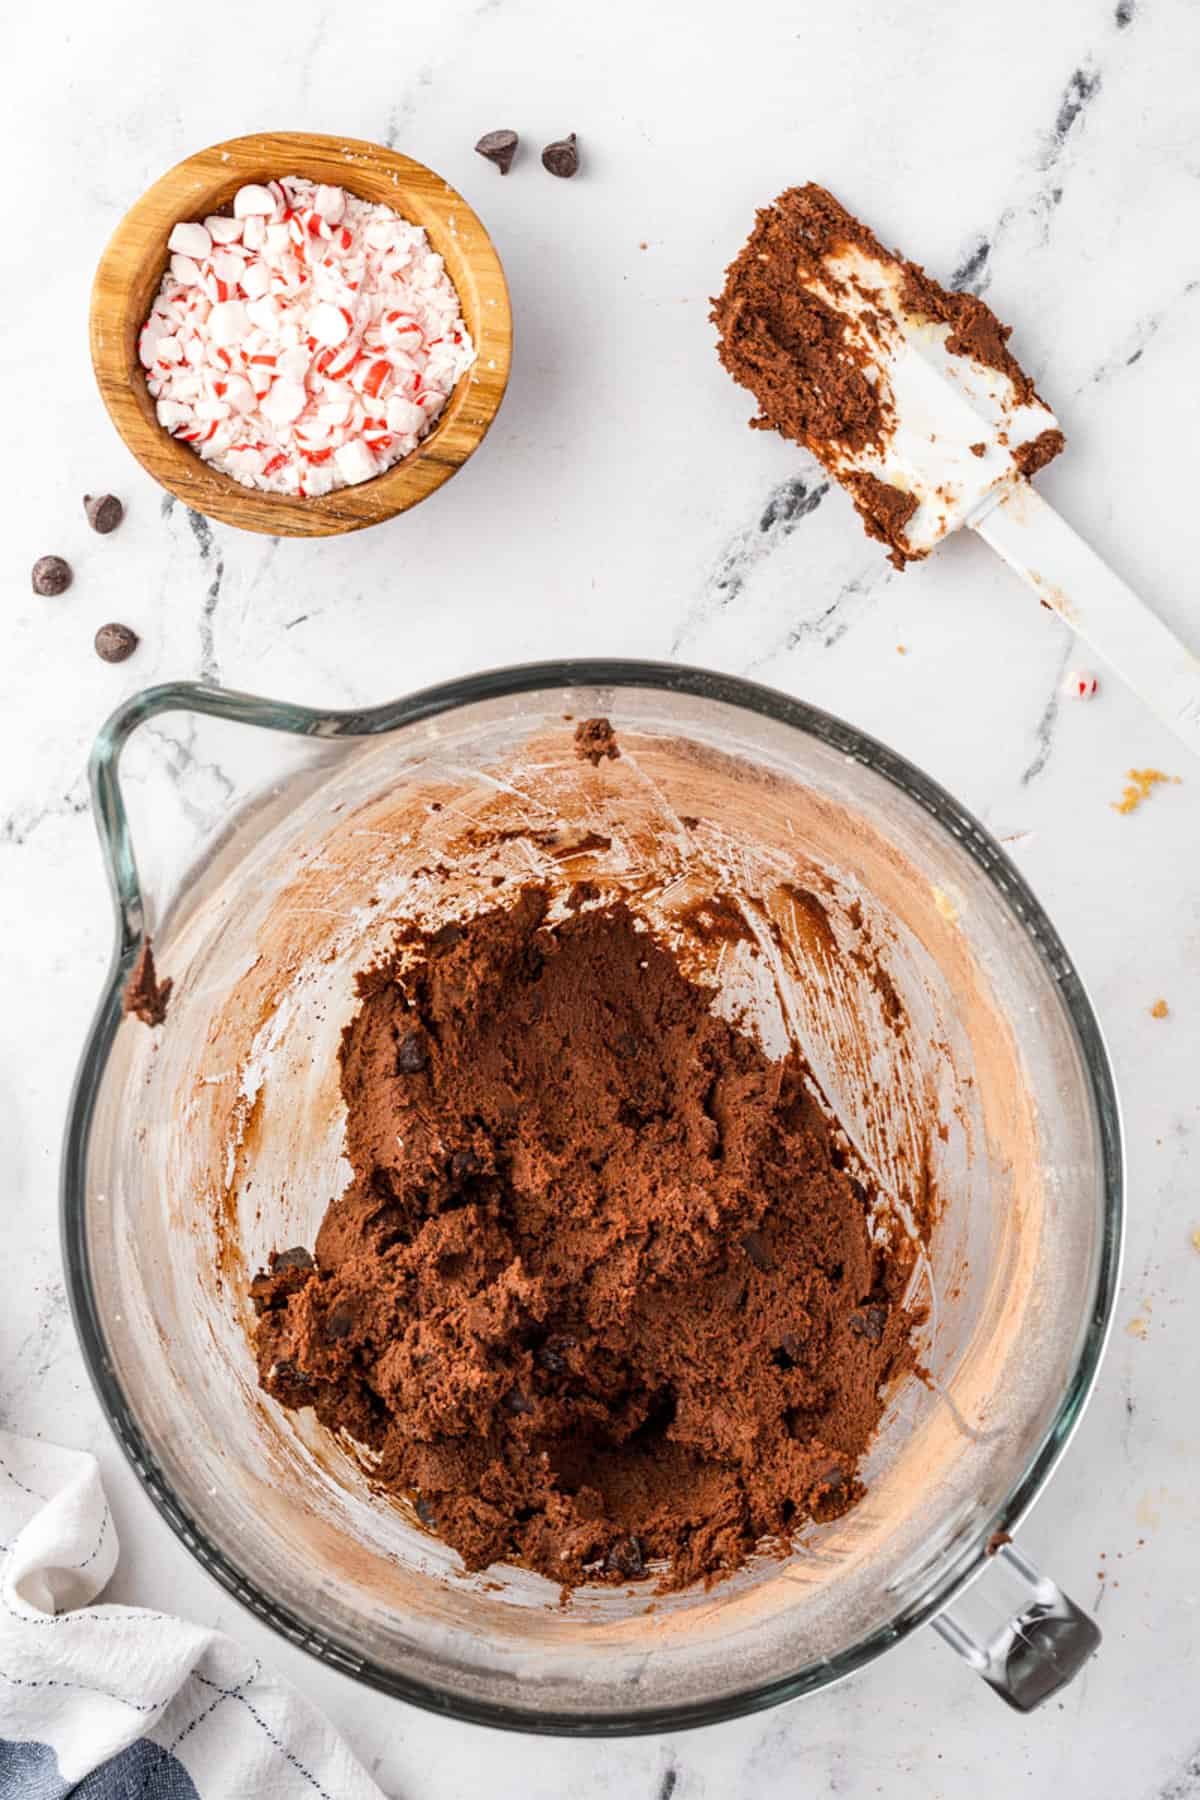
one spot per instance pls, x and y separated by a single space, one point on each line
1080 684
307 343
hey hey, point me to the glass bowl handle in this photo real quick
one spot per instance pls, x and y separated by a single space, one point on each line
108 801
1040 1645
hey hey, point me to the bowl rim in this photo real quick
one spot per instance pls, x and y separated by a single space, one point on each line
957 1570
189 187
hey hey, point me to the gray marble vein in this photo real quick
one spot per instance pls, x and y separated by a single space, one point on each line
213 563
202 786
1185 1783
970 275
311 52
853 599
1048 718
1083 86
18 826
402 114
831 623
1043 184
1140 336
786 506
27 1363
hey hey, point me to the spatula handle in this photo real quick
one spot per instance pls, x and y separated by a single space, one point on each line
1070 577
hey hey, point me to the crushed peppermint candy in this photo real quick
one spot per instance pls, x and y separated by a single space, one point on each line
1080 684
306 343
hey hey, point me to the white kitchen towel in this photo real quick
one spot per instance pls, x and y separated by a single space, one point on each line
117 1703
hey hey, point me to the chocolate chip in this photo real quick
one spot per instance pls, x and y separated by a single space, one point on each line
870 1323
288 1274
625 1558
287 1374
425 1513
499 147
790 1351
339 1322
562 157
115 642
447 937
464 1164
550 1356
532 964
832 1494
412 1054
755 1246
515 1402
51 576
104 512
299 1258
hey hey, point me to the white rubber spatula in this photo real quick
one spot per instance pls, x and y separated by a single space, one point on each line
957 429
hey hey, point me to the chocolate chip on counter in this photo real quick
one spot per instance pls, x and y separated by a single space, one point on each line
114 643
299 1258
412 1054
104 512
562 157
499 147
51 576
339 1322
755 1246
625 1558
425 1513
870 1323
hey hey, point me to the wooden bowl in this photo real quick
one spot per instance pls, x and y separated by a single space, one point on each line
132 268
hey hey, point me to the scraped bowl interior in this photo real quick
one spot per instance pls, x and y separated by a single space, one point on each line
891 944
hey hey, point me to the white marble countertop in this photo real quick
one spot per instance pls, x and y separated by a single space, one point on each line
620 507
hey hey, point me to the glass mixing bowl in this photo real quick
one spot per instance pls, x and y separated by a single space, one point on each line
193 1150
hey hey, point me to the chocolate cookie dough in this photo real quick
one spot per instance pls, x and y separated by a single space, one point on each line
602 1290
145 996
595 740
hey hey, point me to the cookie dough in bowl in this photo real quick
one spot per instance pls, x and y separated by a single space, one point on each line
613 1221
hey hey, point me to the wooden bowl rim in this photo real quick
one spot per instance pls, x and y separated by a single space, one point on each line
209 491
